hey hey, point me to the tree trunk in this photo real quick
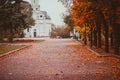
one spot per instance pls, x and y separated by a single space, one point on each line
1 35
106 29
106 38
95 37
11 35
80 36
111 39
91 40
1 38
116 38
99 36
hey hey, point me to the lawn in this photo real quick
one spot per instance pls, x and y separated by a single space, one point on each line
6 48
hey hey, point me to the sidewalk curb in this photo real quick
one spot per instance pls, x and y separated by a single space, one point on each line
7 53
99 55
118 67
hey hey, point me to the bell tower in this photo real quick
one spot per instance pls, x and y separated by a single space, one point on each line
35 5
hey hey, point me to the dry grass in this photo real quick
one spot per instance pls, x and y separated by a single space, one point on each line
6 48
27 41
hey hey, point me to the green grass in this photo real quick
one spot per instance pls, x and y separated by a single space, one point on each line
6 48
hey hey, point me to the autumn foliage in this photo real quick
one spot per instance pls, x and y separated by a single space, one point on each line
99 22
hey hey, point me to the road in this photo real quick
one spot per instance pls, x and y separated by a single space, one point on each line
55 59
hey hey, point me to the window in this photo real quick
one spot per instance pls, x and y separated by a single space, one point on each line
27 29
34 30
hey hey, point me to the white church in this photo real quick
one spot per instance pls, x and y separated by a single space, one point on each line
42 27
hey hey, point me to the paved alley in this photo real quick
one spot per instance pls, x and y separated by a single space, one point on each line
55 59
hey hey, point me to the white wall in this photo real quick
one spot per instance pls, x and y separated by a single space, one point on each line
42 25
41 30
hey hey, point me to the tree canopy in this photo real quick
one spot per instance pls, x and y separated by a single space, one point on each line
14 16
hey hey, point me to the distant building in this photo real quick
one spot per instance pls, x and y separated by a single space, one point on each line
42 27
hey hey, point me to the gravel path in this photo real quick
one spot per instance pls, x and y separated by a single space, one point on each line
54 59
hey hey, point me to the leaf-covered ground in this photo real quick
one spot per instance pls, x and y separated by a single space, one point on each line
58 59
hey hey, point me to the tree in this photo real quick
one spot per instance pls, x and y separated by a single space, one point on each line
66 3
13 17
100 16
68 20
61 31
111 13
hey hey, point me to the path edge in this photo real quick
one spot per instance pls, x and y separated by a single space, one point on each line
12 51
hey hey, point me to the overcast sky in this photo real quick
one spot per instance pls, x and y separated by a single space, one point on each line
54 9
